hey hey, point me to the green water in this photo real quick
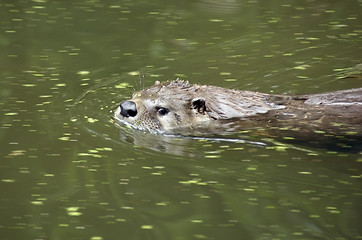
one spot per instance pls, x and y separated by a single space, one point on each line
68 171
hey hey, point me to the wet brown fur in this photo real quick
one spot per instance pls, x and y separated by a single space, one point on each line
193 106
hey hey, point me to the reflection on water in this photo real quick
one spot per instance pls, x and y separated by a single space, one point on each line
69 172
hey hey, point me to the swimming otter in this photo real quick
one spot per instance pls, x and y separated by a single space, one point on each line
178 107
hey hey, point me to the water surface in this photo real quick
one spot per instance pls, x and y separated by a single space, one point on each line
68 171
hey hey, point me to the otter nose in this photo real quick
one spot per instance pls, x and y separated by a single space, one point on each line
128 109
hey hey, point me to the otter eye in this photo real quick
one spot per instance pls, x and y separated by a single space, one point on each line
162 111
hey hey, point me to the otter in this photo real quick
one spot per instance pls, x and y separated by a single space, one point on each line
178 107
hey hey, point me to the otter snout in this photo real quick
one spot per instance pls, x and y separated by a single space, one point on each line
128 109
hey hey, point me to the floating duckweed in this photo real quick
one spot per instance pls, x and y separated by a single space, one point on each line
105 149
307 191
147 227
84 154
319 132
38 75
192 181
8 180
249 190
225 73
332 152
156 173
146 167
127 208
216 20
162 203
299 68
159 167
245 131
281 148
288 138
92 120
73 211
38 7
270 207
312 154
17 153
251 168
212 156
122 85
212 152
96 238
196 221
230 80
312 38
237 148
225 146
28 85
37 203
64 138
83 72
332 210
11 114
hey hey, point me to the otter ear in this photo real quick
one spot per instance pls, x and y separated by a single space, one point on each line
199 105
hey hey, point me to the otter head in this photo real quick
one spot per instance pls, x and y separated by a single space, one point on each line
181 108
164 108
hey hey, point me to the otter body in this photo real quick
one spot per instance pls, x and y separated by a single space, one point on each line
178 107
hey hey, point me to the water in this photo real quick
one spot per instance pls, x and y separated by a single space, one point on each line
69 172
